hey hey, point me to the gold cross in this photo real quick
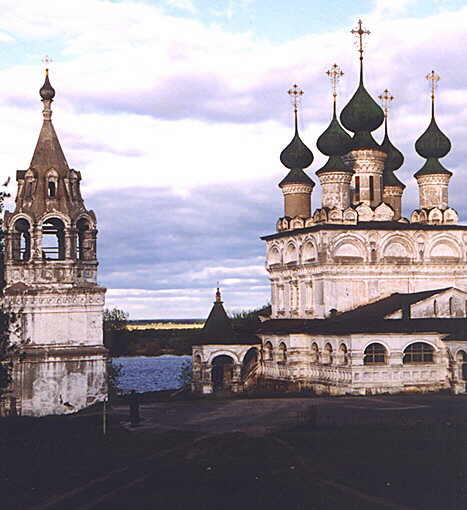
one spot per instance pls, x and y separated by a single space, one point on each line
434 78
360 32
295 94
386 97
335 73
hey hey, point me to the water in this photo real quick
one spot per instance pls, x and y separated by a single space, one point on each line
150 373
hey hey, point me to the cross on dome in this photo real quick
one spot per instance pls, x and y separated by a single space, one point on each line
360 32
335 74
386 97
295 94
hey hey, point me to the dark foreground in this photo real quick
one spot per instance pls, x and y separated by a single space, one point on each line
364 453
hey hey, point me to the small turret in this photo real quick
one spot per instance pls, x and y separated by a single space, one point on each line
335 142
393 188
296 186
433 178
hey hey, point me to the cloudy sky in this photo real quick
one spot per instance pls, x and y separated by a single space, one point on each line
175 111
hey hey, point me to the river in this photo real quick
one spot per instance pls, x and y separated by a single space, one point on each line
150 373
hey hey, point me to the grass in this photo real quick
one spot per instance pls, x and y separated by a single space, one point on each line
164 325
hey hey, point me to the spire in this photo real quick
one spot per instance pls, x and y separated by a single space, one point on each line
218 328
296 156
360 32
334 141
395 157
48 152
362 114
433 143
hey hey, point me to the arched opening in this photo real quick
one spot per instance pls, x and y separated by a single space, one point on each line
268 351
84 245
21 240
327 354
53 239
343 354
375 354
451 306
250 362
372 188
461 358
282 353
222 372
52 189
314 353
357 189
418 352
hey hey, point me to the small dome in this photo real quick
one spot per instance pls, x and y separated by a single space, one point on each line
296 176
432 166
334 164
296 154
334 141
362 113
47 91
364 140
394 158
433 143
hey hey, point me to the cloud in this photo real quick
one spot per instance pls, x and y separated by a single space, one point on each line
183 5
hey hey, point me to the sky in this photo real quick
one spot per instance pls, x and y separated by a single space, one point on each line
176 111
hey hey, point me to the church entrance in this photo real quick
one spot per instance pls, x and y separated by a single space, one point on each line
222 373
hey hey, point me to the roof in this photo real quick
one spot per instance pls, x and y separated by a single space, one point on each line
366 225
296 176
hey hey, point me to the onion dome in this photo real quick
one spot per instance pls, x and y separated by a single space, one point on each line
433 143
296 155
362 113
335 141
392 163
334 164
47 91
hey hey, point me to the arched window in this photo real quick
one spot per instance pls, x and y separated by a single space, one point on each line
357 189
375 354
435 308
268 351
53 239
21 240
419 352
314 353
51 188
343 354
282 352
327 354
84 245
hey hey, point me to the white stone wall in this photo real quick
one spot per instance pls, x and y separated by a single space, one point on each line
335 364
312 273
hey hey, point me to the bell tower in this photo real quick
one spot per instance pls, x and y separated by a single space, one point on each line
51 279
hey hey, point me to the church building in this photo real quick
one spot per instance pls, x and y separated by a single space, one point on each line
50 278
364 300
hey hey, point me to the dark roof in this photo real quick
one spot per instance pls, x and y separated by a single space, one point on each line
362 112
431 167
218 328
366 225
334 164
433 143
334 141
379 309
296 155
296 176
456 329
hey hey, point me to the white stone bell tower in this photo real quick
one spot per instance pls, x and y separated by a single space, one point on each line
51 279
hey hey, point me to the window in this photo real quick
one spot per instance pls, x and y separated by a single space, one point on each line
22 240
343 354
372 188
314 353
327 354
282 352
375 354
418 352
357 189
52 189
53 239
268 351
84 245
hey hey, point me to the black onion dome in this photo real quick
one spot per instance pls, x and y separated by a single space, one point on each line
334 164
334 141
47 91
362 112
432 166
395 158
296 155
296 176
433 143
